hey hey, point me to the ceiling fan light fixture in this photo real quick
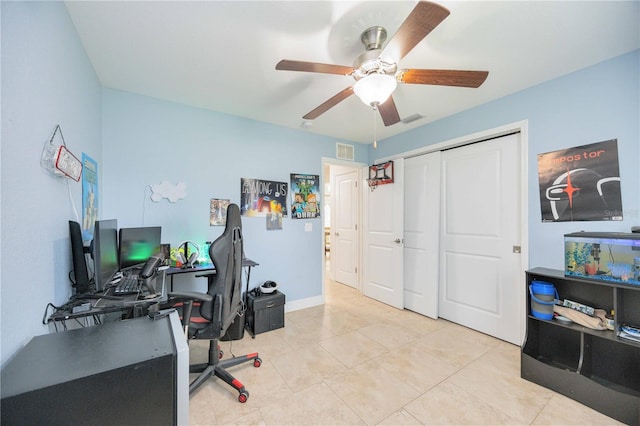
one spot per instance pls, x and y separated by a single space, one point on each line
375 89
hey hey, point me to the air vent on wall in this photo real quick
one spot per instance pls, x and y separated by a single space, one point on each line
344 151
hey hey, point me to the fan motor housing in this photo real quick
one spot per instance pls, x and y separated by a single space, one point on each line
370 62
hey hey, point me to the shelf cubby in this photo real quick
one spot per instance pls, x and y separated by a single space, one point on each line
594 367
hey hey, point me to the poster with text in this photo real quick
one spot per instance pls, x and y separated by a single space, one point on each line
259 197
89 196
580 183
305 196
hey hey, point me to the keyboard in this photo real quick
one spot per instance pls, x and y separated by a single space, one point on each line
128 285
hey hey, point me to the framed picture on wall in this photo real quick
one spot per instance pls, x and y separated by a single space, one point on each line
218 212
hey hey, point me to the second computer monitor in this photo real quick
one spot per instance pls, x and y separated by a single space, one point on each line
137 245
105 251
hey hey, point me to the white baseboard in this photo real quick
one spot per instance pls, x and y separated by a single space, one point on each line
310 302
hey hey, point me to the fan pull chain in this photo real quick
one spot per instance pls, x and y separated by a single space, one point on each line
375 138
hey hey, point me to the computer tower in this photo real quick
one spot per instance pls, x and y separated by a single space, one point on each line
265 312
236 329
128 372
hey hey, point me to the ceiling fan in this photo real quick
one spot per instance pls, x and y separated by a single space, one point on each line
376 70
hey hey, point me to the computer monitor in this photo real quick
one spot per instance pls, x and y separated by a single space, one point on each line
105 251
137 245
80 280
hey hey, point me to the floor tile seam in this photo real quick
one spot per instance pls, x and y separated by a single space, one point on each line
471 361
481 401
405 410
501 372
386 349
533 421
342 371
392 373
491 402
235 420
345 402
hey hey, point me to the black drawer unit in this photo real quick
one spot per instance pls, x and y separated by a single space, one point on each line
265 312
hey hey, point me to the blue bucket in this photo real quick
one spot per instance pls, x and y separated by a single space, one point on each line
543 296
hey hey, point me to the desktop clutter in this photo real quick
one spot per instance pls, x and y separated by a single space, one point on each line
116 274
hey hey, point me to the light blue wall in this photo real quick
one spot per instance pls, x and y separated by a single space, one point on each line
147 141
595 104
46 80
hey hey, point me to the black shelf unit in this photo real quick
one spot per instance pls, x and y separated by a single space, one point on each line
596 368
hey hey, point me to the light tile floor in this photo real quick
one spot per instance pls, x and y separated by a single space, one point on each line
357 361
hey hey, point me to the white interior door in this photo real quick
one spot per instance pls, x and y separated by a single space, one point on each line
422 233
344 225
383 219
479 263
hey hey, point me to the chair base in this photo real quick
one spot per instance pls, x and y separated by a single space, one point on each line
217 367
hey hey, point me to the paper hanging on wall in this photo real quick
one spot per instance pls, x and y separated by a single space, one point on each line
169 191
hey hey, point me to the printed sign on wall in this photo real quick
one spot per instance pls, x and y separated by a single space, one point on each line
89 196
580 183
305 196
259 197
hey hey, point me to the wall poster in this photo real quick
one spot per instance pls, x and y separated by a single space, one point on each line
259 197
305 196
218 212
580 183
89 196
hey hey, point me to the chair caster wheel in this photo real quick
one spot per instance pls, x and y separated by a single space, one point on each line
244 395
257 362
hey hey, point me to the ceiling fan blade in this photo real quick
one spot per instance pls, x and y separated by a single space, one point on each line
389 112
328 104
420 22
443 77
287 65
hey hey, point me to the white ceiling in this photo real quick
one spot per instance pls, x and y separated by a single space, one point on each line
221 55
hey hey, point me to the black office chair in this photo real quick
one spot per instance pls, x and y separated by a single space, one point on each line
216 310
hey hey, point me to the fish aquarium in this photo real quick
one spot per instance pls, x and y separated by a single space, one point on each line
603 256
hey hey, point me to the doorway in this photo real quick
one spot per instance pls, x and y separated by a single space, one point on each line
341 236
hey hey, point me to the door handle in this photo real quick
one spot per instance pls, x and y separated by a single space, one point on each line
337 234
397 241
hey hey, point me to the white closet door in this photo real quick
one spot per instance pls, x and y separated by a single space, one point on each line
422 233
480 264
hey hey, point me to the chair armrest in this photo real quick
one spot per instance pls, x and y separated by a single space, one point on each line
190 295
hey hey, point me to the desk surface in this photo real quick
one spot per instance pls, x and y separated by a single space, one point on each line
205 267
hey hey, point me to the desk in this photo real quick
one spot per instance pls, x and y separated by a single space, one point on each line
132 372
207 269
131 306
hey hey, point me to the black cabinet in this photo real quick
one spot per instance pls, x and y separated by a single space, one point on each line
131 372
265 312
596 368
